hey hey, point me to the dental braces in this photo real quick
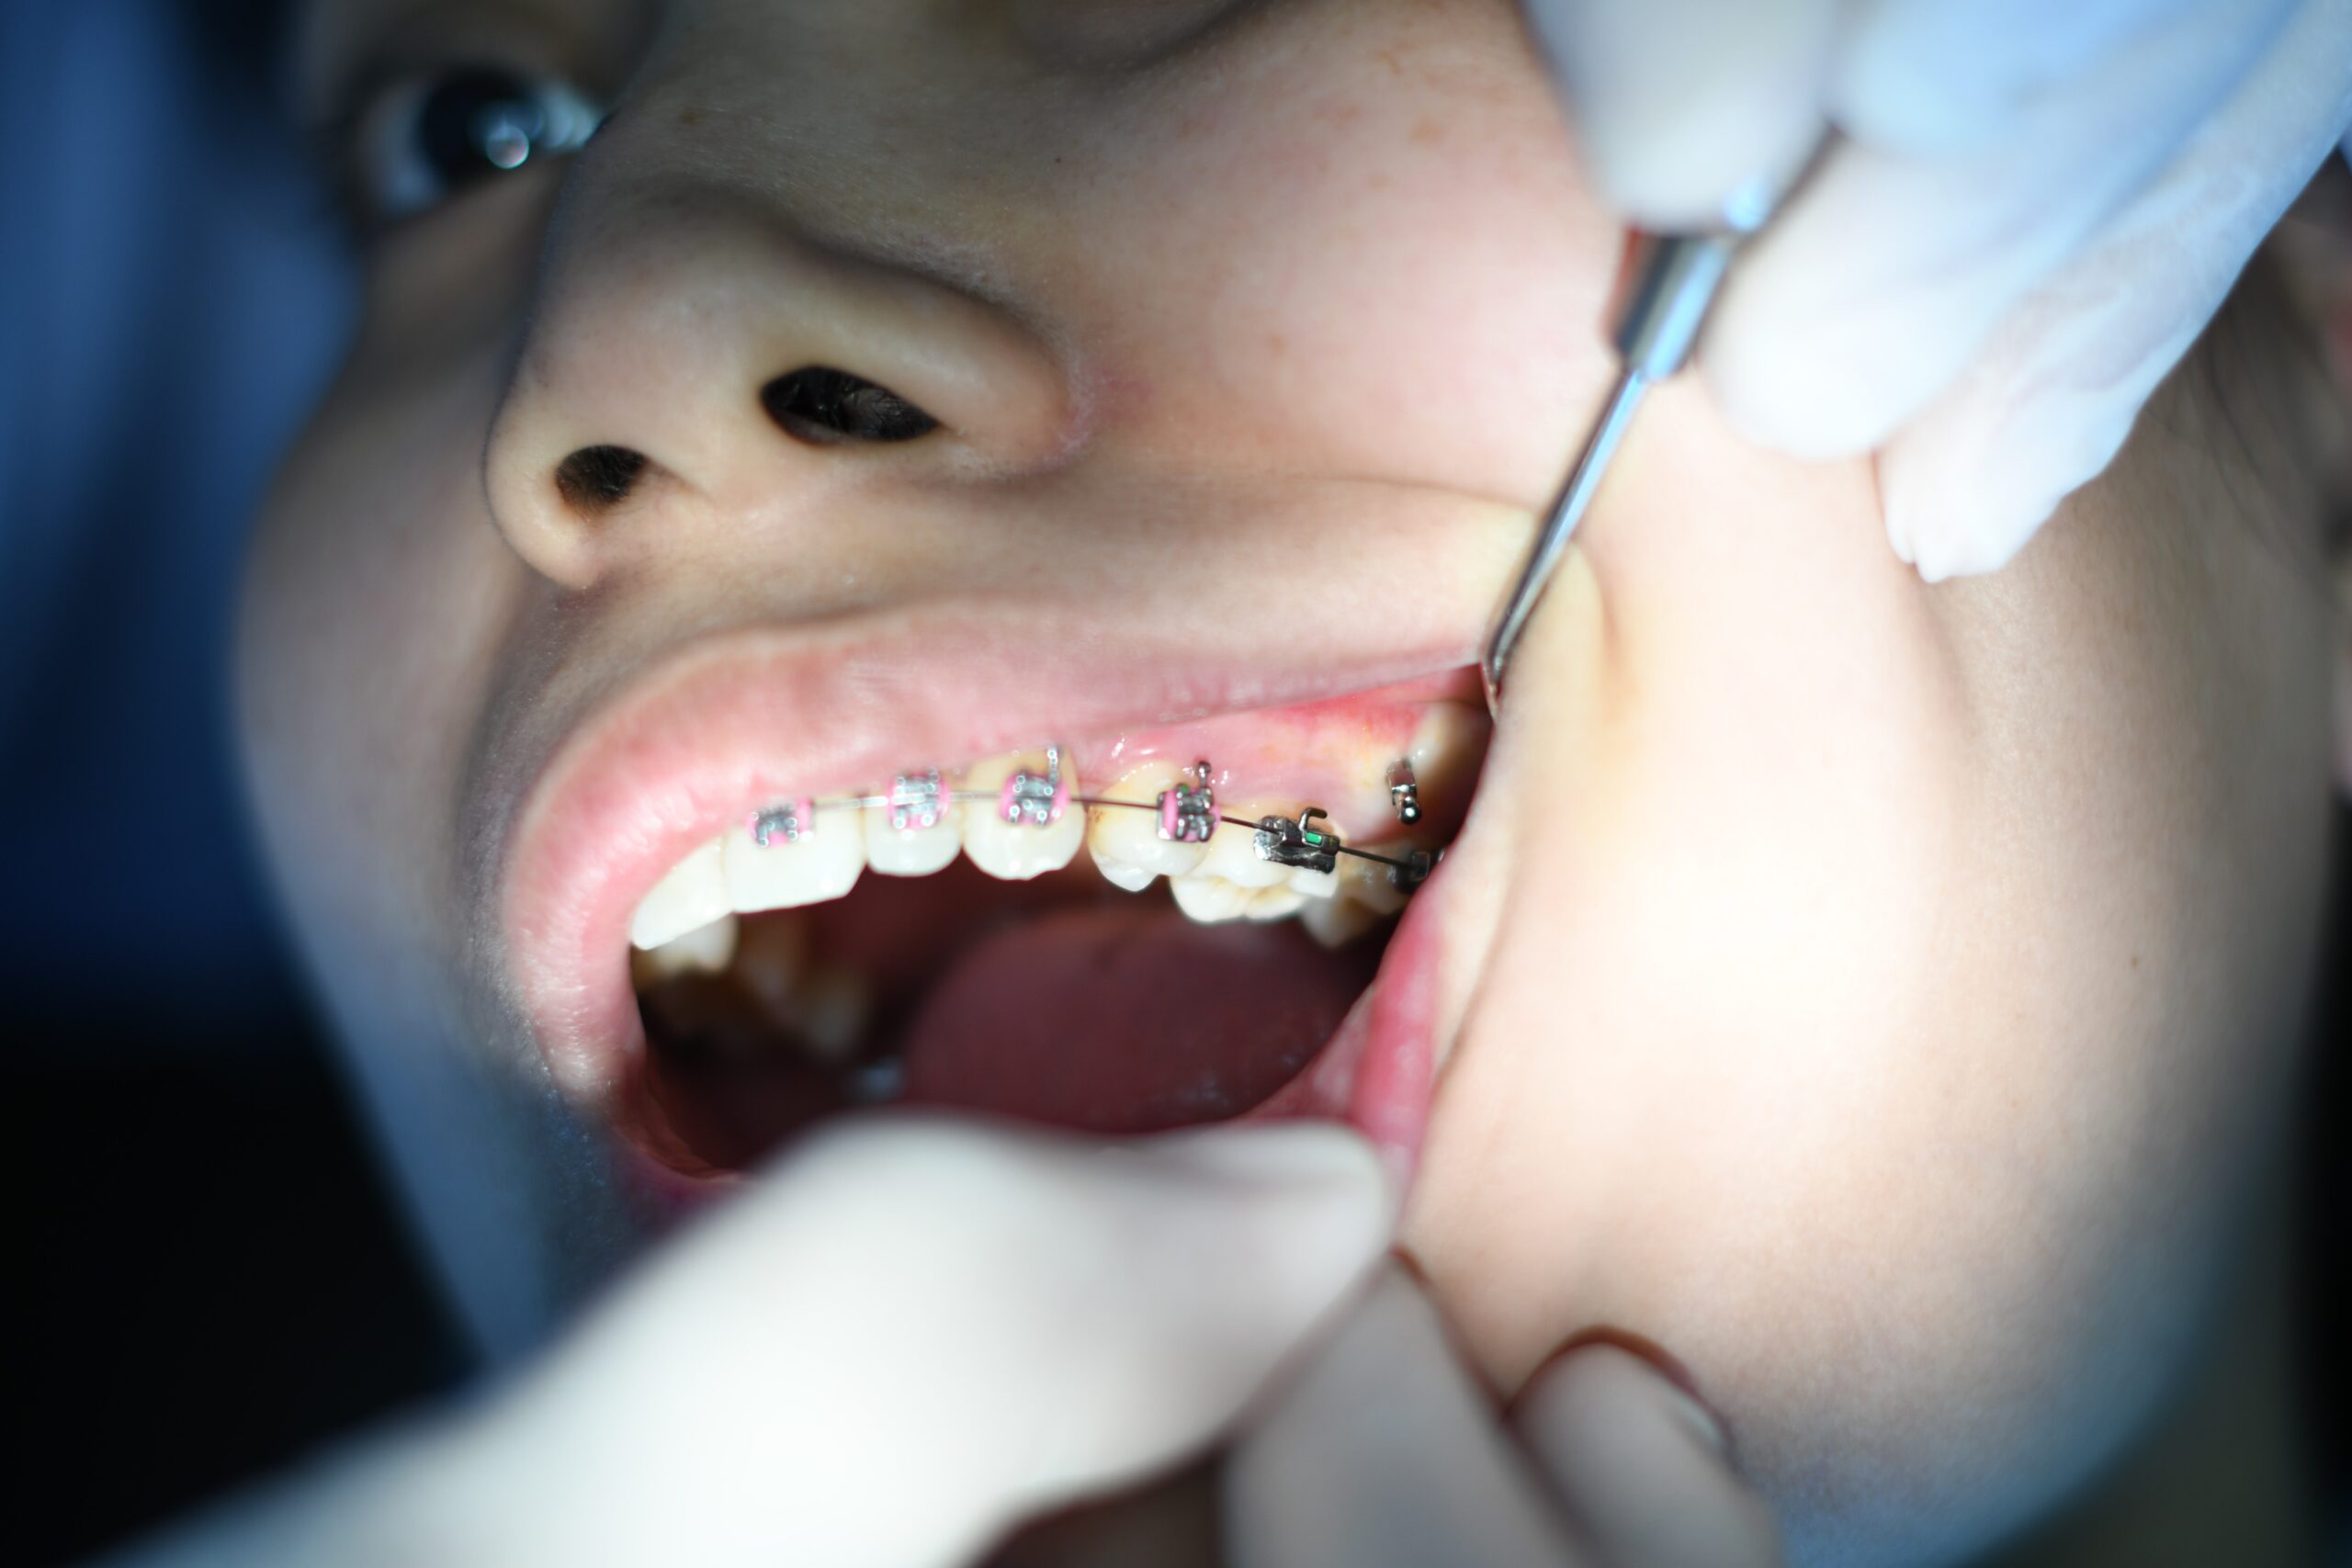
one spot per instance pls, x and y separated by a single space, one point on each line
1187 812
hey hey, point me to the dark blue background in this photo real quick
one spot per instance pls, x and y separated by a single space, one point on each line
209 1275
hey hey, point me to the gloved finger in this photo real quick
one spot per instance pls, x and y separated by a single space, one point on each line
1882 277
1639 1468
2052 394
917 1333
1678 104
1383 1453
1940 77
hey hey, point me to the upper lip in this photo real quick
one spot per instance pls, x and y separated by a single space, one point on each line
724 724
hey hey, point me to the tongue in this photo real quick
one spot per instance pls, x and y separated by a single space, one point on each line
1128 1019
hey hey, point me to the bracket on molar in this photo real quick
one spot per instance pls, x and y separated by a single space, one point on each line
1406 875
917 800
1404 792
1299 844
1188 811
792 821
1035 800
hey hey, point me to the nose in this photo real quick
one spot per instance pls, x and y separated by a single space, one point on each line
697 373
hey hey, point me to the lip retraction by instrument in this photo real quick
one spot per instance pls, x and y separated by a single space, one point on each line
1187 812
1663 295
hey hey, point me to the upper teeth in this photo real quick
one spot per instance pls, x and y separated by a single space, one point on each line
1016 819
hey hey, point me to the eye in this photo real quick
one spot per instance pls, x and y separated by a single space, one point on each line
427 136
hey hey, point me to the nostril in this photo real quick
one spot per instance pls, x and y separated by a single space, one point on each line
597 479
826 407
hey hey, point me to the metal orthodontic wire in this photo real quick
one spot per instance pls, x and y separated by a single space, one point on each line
990 798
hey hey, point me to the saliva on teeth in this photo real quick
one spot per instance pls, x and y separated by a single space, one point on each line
1027 814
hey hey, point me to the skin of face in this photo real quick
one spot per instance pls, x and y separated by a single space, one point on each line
1881 996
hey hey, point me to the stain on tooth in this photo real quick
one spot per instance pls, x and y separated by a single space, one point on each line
706 950
1126 842
1026 826
920 829
691 895
808 857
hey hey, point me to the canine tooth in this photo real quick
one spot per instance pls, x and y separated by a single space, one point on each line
1015 851
1335 922
914 849
691 895
1126 843
784 875
706 950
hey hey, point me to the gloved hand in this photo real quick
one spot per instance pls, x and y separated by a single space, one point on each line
1386 1454
2034 210
907 1337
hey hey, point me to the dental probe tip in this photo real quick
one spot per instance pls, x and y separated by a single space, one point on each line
1551 540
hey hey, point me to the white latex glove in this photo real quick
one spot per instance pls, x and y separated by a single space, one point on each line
909 1338
2036 209
1387 1453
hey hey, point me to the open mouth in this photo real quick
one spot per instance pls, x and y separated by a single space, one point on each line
1118 935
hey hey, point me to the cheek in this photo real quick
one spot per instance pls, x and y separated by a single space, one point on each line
377 590
1371 252
1868 1021
375 599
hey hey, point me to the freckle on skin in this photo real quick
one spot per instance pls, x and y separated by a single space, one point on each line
1428 132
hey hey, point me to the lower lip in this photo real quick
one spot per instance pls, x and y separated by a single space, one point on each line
1377 1072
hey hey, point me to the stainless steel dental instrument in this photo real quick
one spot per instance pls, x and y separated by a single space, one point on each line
1664 292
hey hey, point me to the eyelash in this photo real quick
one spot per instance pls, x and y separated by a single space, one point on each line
421 138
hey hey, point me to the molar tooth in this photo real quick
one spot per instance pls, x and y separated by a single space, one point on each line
823 863
772 960
1015 851
1210 900
1271 904
1448 745
692 895
1126 843
1367 882
912 836
1335 922
1233 853
831 1012
706 950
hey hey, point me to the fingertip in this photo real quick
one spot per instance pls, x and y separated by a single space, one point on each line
1644 1470
1303 1208
1682 103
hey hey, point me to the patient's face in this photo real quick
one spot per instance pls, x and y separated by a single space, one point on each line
1875 995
